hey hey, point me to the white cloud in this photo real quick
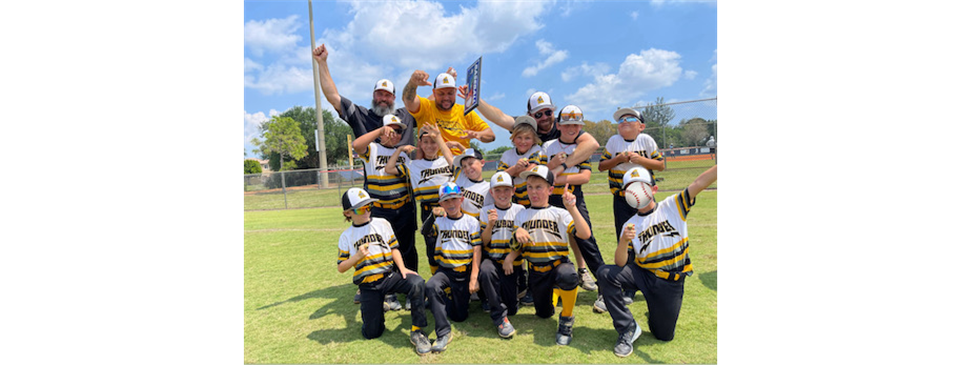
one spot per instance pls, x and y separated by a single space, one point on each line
279 78
251 125
689 74
634 15
385 31
639 74
274 35
553 56
250 66
584 69
711 87
496 96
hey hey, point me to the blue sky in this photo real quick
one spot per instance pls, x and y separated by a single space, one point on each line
599 55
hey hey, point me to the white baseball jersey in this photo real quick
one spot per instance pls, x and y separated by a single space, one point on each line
511 157
552 148
616 145
391 191
476 194
499 246
378 234
549 228
426 176
455 241
661 244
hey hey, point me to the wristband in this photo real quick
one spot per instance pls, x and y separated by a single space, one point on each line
564 164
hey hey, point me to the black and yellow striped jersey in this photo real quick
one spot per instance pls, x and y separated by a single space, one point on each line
426 176
554 147
550 229
391 191
662 245
499 246
511 157
380 240
456 238
643 144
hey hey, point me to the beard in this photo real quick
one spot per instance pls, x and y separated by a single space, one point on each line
444 105
381 110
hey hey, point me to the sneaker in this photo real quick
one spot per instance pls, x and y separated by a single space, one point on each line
485 306
624 345
627 299
475 297
407 305
441 343
527 300
356 298
565 331
392 302
586 281
599 306
505 329
421 342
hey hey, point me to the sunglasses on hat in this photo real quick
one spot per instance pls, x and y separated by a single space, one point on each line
571 116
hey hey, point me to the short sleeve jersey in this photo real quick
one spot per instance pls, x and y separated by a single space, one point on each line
455 240
499 246
661 245
511 157
378 235
426 176
554 147
391 191
476 194
550 229
362 120
452 123
616 145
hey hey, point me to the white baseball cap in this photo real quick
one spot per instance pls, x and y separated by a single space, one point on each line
355 198
470 152
391 119
570 114
626 111
444 80
541 171
501 178
636 174
539 100
450 190
385 85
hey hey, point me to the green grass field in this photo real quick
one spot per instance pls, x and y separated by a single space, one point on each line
677 176
299 309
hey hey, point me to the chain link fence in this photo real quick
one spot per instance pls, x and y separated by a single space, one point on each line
682 130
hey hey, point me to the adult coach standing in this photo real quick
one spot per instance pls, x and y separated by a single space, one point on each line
444 112
360 119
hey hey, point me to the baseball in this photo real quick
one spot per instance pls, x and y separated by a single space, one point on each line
638 195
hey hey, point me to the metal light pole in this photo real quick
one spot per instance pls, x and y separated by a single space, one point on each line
322 150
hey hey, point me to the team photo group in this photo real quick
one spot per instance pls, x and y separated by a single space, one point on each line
522 237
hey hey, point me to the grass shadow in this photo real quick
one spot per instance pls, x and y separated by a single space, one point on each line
709 279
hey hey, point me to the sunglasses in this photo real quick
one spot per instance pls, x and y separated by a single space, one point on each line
547 112
362 210
629 119
564 117
450 189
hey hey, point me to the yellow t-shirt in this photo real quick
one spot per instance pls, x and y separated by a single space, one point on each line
453 124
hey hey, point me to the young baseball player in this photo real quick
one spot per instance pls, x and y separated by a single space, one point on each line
570 124
426 175
544 235
370 247
657 237
458 254
394 202
496 231
627 149
468 170
525 154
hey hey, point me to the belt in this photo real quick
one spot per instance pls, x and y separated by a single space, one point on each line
545 268
670 276
461 268
396 205
372 278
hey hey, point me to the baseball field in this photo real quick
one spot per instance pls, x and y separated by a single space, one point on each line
299 309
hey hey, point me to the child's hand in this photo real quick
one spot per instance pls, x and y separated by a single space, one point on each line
508 267
439 212
569 200
522 236
635 158
629 233
387 132
363 250
474 285
492 216
407 149
405 271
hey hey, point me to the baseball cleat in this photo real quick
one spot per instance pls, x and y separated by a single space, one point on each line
599 306
625 342
586 281
565 330
420 341
505 329
441 343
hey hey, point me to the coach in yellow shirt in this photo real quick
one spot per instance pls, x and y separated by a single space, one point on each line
444 112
